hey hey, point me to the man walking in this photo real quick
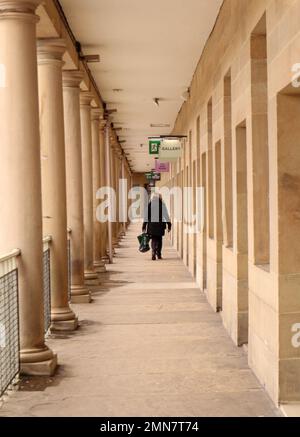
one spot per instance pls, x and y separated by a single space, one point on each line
156 222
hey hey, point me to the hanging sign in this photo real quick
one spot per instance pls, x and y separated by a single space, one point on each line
148 176
154 147
153 176
156 176
170 150
162 167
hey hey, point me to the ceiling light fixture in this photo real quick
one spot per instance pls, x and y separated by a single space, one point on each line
156 101
111 111
91 58
186 95
160 125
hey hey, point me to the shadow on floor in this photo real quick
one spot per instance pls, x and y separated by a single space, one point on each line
84 328
39 383
111 272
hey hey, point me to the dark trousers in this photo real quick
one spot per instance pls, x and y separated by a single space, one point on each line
156 245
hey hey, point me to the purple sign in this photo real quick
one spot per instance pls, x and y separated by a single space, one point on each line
162 167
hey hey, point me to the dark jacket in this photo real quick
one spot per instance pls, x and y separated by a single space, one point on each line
157 219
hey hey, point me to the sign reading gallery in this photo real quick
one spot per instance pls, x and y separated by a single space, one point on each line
170 150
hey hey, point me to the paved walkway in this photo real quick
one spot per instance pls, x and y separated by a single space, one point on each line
149 345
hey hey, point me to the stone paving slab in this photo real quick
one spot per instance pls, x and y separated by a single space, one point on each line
148 345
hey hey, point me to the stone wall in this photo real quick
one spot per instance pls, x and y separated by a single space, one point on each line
242 122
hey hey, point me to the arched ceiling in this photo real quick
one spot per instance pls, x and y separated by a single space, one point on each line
149 49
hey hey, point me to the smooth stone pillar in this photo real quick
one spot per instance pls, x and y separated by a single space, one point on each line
104 226
114 186
90 274
20 176
108 160
124 197
71 92
98 262
50 52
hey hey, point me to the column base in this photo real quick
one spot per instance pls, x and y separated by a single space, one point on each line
44 368
91 278
62 314
64 325
80 294
38 362
92 282
81 299
100 267
90 275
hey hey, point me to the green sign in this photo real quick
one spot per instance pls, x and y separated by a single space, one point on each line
153 176
156 176
154 147
149 176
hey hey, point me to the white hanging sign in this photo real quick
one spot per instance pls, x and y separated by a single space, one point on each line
170 150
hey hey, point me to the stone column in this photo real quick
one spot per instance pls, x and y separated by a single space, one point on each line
71 93
50 52
118 191
87 174
115 171
129 187
124 196
98 263
113 185
20 176
108 160
104 226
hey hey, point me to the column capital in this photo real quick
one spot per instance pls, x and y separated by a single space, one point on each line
50 49
19 5
96 114
86 98
19 9
72 78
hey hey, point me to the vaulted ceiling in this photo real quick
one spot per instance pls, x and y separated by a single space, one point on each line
149 49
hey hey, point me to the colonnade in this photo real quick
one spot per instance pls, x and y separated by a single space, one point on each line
53 151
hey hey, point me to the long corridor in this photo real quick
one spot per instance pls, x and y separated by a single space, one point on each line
149 345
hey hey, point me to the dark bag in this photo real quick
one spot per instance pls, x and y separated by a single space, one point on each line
144 240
